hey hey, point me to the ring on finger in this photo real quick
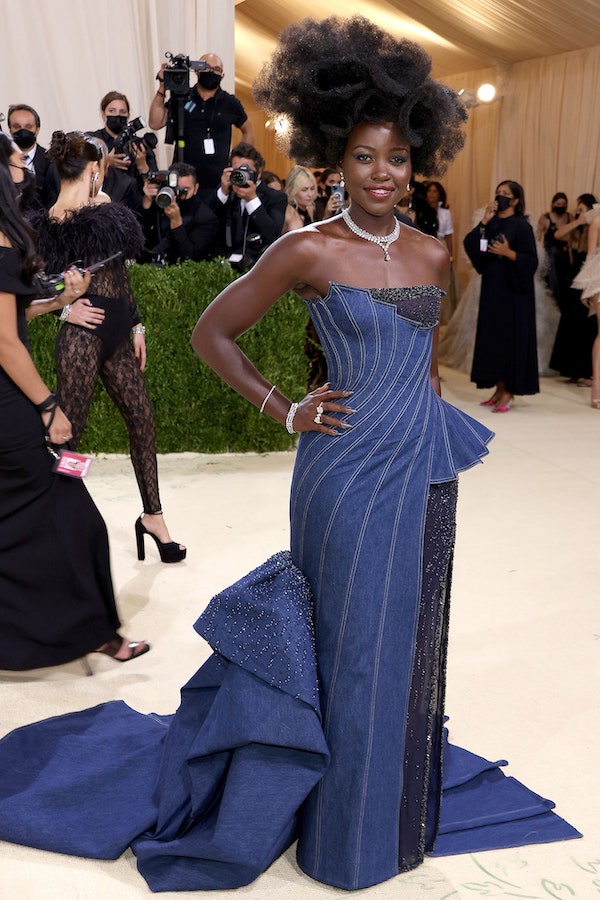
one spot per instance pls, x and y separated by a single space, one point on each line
320 409
317 419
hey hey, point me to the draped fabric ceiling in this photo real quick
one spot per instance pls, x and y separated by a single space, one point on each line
459 36
543 55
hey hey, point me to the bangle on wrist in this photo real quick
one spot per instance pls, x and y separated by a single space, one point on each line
266 400
138 329
65 312
289 419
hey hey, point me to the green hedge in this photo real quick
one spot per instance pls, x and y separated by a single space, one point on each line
195 410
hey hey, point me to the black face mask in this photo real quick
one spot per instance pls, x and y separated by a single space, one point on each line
116 124
23 138
209 80
503 202
559 210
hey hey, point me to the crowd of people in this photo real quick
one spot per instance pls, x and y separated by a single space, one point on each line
194 210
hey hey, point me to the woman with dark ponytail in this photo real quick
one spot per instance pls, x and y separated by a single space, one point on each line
56 595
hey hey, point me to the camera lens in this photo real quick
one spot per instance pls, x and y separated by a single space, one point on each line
165 197
238 177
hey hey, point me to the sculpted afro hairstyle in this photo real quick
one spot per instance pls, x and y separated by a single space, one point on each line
327 76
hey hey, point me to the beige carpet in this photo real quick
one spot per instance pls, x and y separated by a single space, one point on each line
524 645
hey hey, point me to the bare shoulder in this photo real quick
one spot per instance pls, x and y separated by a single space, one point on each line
424 244
300 247
301 259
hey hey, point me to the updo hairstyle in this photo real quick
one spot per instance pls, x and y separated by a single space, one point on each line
72 151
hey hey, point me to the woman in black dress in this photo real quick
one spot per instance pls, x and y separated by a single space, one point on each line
558 274
577 331
56 594
104 339
502 249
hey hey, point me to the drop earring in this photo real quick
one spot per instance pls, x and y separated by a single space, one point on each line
93 191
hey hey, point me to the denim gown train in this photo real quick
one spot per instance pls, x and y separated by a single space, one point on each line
319 714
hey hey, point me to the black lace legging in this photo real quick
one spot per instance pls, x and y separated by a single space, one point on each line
80 361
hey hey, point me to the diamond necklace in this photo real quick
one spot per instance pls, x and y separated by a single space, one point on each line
382 241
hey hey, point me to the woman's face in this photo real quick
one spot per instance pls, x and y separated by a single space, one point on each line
580 209
376 166
503 190
433 195
115 108
305 194
332 178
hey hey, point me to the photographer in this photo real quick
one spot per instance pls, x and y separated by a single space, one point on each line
177 224
129 156
251 215
132 159
208 115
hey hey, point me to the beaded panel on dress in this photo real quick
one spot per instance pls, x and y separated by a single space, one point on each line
419 304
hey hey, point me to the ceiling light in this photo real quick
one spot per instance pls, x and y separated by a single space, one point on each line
486 93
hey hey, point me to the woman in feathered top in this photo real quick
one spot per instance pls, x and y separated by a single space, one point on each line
102 336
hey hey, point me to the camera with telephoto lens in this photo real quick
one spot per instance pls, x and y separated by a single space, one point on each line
243 175
168 190
128 137
127 133
177 74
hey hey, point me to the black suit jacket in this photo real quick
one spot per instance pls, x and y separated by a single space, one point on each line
264 225
47 182
193 239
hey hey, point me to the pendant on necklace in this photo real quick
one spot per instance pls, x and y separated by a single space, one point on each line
382 241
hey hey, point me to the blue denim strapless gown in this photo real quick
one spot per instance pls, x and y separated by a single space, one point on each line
372 515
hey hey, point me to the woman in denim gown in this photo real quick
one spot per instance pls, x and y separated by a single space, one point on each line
374 489
319 714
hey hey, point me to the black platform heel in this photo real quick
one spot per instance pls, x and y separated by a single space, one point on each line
169 553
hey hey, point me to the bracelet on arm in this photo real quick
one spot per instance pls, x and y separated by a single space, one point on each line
289 419
47 405
266 400
65 312
138 329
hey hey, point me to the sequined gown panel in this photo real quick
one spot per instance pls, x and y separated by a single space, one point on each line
372 517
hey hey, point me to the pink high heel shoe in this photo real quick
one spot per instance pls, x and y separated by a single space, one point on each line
504 407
